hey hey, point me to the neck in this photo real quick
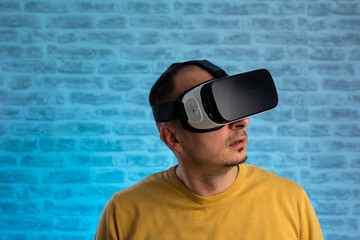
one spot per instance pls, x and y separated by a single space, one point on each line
207 182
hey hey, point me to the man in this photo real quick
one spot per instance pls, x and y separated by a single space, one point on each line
211 193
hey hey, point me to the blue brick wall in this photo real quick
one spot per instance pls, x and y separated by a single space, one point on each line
75 126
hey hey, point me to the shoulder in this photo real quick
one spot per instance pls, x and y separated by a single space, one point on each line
147 187
259 176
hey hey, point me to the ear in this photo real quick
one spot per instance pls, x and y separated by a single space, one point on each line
169 137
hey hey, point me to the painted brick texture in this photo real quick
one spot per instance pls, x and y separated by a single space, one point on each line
75 125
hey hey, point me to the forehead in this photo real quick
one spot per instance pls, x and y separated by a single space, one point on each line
189 77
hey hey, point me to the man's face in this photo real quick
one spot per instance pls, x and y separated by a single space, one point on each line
223 147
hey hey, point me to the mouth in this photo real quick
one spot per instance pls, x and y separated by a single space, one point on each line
239 142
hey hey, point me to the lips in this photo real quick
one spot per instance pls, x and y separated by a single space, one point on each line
239 142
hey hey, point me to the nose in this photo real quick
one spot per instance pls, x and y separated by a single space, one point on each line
242 123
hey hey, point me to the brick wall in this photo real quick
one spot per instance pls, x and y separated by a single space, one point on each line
75 126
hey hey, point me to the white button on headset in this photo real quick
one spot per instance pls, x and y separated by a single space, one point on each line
193 110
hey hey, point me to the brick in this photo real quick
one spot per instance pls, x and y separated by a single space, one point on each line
36 191
18 145
95 99
271 24
309 146
319 9
328 161
33 98
98 161
349 8
347 24
327 54
158 22
260 160
103 192
93 7
123 113
293 130
66 38
110 145
297 84
338 224
8 36
281 38
34 66
355 99
312 99
28 223
119 68
239 9
7 51
357 209
291 161
195 38
51 114
84 53
189 8
109 37
347 130
342 237
9 113
115 22
110 176
20 21
42 161
215 23
7 192
313 24
355 163
331 208
20 82
19 208
237 39
353 39
277 53
69 22
45 7
288 9
9 6
122 83
273 145
73 224
348 146
148 8
339 84
327 40
139 160
355 54
18 176
67 208
76 67
6 161
330 193
350 177
149 37
2 130
320 130
37 36
67 176
335 114
146 53
154 144
278 114
137 97
236 53
333 69
260 130
81 129
57 144
83 83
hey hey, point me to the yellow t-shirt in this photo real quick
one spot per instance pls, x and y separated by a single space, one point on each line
259 205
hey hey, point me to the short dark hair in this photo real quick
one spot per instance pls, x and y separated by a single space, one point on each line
161 91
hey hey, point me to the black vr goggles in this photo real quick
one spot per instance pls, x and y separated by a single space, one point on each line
224 99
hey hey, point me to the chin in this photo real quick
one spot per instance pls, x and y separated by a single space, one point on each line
237 162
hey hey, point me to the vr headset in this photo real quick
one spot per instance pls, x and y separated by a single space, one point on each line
222 100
